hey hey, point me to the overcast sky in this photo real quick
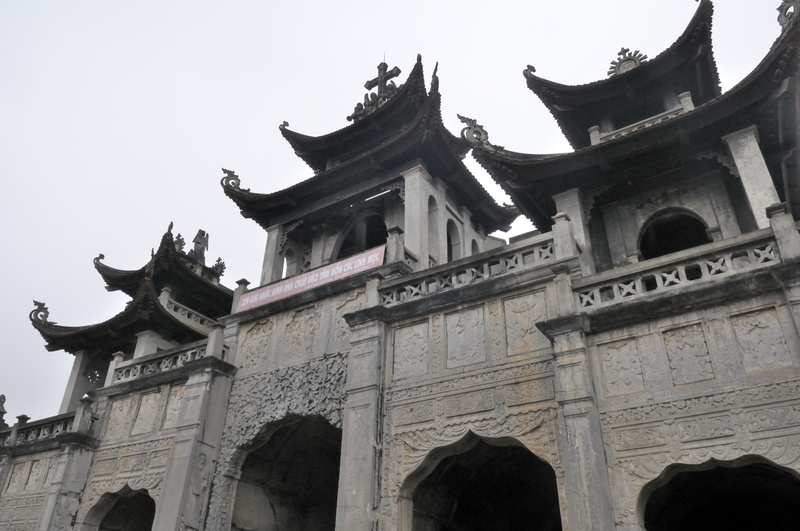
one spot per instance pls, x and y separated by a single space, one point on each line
115 118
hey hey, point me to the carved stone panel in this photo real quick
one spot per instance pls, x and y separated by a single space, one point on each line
639 437
255 347
410 351
119 419
521 314
298 339
466 338
466 403
688 355
529 392
174 402
148 414
621 367
761 340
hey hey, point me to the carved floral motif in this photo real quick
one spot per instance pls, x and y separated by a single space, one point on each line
410 351
622 367
688 355
521 316
466 343
761 340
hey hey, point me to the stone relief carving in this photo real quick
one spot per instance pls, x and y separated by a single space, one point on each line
312 388
761 340
65 511
149 408
298 339
192 514
256 345
622 367
119 419
410 351
436 344
347 303
173 408
466 343
688 355
521 315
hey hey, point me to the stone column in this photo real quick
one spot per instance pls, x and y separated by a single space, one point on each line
571 204
757 182
77 384
272 268
586 471
416 216
187 479
359 472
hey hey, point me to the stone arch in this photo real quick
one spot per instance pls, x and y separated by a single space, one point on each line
481 483
475 249
671 230
453 241
365 231
123 510
750 492
289 478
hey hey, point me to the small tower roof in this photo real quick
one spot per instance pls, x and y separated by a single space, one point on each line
686 66
352 163
190 281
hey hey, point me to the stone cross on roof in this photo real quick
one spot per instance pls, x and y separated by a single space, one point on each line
386 89
384 75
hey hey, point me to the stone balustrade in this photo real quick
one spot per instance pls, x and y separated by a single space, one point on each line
737 255
49 429
189 314
524 255
126 371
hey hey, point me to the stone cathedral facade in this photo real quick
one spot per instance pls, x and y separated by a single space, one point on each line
633 364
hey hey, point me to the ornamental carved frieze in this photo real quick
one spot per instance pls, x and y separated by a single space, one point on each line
521 315
621 367
411 356
688 354
466 337
761 341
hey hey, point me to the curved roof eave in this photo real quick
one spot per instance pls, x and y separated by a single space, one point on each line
143 311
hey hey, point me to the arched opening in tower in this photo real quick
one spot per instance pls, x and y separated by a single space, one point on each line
721 496
671 232
502 488
126 510
290 482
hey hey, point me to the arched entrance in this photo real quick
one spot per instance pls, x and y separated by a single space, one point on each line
476 484
671 231
290 482
124 510
749 493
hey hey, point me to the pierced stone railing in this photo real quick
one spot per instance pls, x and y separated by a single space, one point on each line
25 433
127 371
45 429
188 313
662 277
468 271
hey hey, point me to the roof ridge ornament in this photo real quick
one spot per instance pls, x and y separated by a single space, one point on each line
626 61
40 314
373 101
787 13
232 181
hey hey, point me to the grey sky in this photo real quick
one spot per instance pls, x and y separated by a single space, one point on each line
115 118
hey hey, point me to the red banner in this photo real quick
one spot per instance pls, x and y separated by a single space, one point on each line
312 279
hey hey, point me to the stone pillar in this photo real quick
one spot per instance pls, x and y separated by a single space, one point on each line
63 497
786 234
77 384
757 182
187 479
416 216
586 471
563 237
272 268
571 204
359 472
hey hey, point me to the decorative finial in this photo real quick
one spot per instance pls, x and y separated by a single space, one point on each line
283 126
231 180
218 267
179 243
626 61
40 313
474 133
169 229
787 13
435 79
99 257
200 247
373 100
528 72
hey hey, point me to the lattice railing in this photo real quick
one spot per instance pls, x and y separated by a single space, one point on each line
464 273
39 431
190 314
677 275
133 369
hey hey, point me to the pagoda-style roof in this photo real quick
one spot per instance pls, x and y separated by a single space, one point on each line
191 283
686 66
143 313
352 163
766 98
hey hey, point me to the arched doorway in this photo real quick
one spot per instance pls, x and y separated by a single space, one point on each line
124 510
749 493
476 485
290 482
671 231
